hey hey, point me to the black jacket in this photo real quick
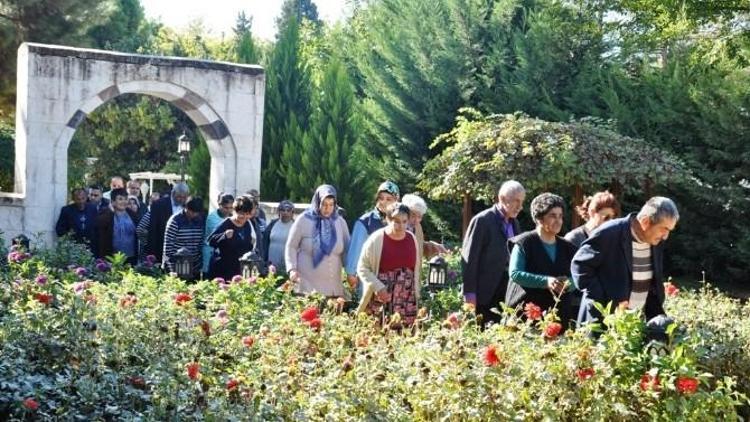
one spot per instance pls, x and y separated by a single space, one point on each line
603 269
484 256
161 210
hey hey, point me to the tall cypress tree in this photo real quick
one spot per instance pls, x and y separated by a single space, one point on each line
327 150
245 49
287 109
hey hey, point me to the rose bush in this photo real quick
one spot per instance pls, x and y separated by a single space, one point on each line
123 345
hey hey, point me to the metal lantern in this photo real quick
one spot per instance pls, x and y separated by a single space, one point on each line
437 276
183 148
252 265
21 241
183 264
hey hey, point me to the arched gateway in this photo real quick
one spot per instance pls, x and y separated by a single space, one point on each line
58 86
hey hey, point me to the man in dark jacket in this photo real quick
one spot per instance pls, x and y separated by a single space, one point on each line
484 256
185 230
78 219
621 263
154 222
97 199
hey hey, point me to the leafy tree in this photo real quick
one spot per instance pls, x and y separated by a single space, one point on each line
286 111
126 29
199 169
299 10
7 146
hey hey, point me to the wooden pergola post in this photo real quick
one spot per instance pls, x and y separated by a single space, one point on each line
466 214
575 219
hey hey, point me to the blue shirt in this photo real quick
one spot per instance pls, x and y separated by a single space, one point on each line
123 234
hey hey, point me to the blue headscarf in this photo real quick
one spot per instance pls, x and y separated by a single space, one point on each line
324 238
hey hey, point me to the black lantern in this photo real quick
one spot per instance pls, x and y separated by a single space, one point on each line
252 265
20 241
438 274
183 264
183 148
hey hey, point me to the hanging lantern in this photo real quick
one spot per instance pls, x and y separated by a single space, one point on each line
252 265
437 274
183 264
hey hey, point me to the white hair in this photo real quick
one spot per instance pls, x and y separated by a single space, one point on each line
659 208
510 188
415 203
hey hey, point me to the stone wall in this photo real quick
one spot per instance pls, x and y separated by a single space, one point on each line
58 86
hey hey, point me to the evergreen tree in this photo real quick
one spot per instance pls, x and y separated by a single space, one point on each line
199 169
299 10
328 152
286 111
244 46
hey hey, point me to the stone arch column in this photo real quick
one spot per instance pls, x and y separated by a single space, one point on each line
59 86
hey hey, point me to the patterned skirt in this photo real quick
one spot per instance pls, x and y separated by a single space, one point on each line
403 299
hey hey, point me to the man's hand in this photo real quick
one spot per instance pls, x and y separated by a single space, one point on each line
229 233
383 296
293 276
352 279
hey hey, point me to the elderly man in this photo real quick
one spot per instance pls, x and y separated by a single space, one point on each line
154 223
621 262
484 256
115 182
78 219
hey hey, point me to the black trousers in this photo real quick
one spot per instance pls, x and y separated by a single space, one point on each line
484 310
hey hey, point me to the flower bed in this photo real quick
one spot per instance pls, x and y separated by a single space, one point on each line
113 344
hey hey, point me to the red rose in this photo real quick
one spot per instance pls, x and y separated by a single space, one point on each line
309 314
193 370
31 404
182 298
315 324
670 289
552 330
686 385
490 356
649 382
532 311
232 384
454 321
585 373
44 298
248 341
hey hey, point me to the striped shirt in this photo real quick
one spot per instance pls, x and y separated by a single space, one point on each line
183 233
642 274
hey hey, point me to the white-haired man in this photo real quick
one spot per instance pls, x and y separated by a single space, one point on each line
485 250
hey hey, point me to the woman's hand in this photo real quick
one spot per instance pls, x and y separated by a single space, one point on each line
352 279
293 276
555 286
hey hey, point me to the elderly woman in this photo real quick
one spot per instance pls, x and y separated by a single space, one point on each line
595 211
115 229
417 210
389 267
316 246
213 219
231 239
540 261
277 233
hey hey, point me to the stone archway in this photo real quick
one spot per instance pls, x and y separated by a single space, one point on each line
59 86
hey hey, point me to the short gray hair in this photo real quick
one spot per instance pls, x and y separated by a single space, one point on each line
415 203
180 187
510 187
658 208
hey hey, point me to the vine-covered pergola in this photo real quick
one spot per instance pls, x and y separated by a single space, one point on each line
579 157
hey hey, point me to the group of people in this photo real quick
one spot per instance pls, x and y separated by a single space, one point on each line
606 260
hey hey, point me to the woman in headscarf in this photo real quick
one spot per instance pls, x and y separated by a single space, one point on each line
316 246
389 268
